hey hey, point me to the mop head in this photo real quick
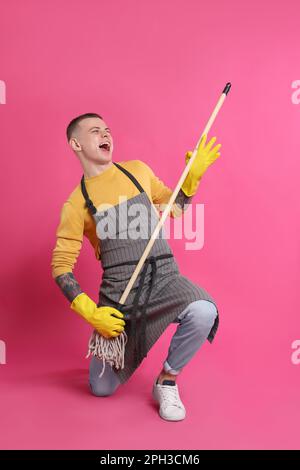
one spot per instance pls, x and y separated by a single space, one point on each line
110 350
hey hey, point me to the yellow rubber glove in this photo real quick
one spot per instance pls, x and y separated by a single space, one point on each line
106 320
205 156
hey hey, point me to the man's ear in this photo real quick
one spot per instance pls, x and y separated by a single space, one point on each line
75 145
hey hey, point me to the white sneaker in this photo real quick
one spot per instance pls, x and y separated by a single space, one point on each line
167 395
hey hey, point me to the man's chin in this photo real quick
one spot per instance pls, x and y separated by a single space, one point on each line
105 156
102 159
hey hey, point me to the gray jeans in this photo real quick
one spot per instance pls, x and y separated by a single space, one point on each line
195 323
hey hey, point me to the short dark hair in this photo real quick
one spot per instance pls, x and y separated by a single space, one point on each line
76 120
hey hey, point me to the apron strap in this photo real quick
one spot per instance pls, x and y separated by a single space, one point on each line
130 176
88 201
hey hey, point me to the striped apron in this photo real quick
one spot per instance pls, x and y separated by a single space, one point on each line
160 293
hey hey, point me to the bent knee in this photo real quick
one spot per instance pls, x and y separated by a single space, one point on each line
203 312
104 385
102 389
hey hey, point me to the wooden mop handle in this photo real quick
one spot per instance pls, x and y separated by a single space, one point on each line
173 197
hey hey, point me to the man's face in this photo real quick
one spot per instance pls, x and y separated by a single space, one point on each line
95 139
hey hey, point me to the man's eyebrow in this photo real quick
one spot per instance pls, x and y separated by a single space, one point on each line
96 127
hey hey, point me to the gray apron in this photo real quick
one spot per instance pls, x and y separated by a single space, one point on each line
159 294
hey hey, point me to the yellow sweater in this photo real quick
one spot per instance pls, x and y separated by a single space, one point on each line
106 187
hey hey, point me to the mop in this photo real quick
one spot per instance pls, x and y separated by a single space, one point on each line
112 350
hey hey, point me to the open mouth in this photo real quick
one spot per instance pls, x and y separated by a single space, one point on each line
105 146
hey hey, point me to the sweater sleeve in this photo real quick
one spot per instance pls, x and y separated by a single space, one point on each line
69 237
161 194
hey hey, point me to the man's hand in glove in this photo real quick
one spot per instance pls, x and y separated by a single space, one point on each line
106 320
206 155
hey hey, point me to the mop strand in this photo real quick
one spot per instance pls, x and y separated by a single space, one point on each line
110 350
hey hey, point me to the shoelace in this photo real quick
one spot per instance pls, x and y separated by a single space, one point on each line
170 395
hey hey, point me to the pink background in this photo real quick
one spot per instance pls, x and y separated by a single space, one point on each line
154 70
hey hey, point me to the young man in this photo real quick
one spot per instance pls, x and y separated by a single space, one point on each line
174 298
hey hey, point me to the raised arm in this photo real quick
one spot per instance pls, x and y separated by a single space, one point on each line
162 193
182 201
